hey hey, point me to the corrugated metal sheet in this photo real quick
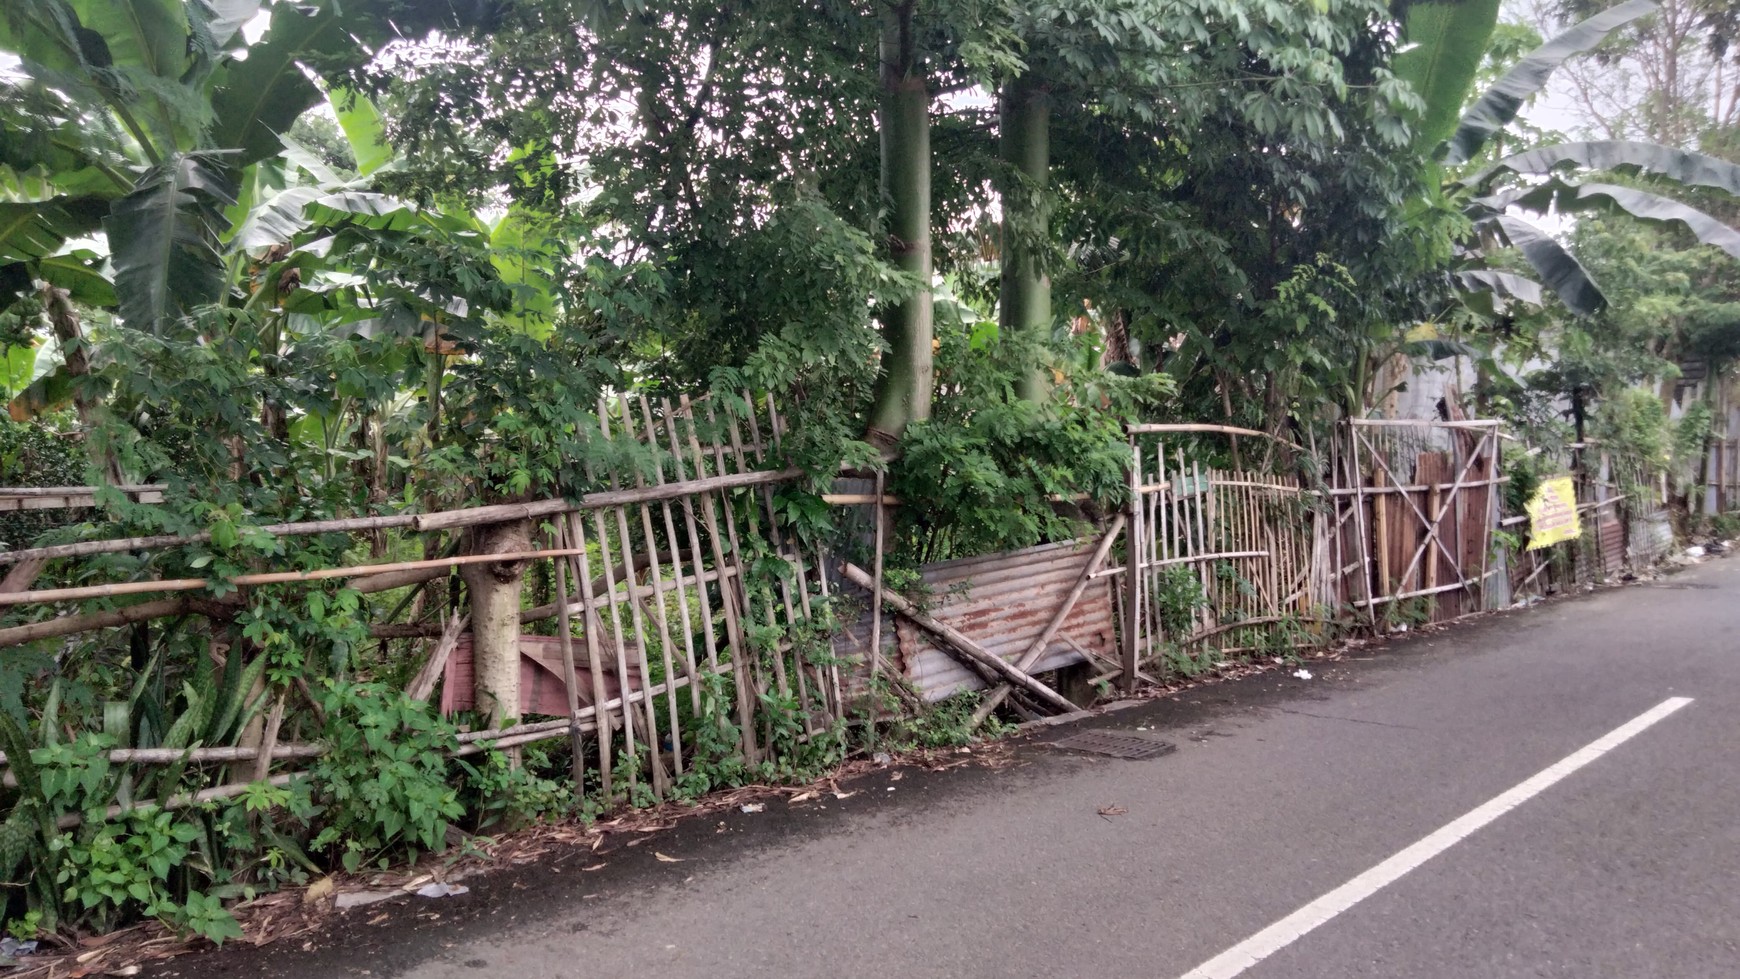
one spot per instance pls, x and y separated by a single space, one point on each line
1003 602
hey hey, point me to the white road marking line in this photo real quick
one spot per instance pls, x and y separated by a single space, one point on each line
1296 925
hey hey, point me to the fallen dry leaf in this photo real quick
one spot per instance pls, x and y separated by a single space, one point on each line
596 866
318 890
803 796
664 859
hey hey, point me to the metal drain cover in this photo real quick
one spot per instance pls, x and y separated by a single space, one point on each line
1115 744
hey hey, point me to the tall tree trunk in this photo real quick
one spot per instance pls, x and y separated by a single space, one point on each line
64 319
903 393
493 591
1024 299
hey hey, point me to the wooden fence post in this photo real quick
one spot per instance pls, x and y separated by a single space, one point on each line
1132 572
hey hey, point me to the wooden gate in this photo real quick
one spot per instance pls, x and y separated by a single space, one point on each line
1219 561
1415 505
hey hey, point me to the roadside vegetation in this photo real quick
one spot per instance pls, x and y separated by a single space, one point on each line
305 261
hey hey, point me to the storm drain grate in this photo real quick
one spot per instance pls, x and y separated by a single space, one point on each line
1115 744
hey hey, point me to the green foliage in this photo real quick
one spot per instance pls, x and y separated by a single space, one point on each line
946 723
500 795
1177 595
383 783
43 453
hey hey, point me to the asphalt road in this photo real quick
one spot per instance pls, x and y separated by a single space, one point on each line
1281 791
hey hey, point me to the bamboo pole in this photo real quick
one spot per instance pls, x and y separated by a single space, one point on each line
1210 586
878 516
971 649
676 547
22 491
786 680
791 617
758 677
423 684
1381 517
1358 478
655 762
570 675
769 614
594 658
697 560
656 608
69 624
743 679
499 513
1132 585
616 634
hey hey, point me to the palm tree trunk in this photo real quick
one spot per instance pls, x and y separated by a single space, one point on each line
1024 299
903 392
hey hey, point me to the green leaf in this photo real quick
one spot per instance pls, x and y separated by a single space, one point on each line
515 246
165 238
363 128
1653 207
149 34
224 18
260 96
277 220
1560 270
1506 284
82 275
1682 166
1446 40
1500 103
35 230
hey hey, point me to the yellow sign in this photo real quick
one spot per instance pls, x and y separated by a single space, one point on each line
1553 513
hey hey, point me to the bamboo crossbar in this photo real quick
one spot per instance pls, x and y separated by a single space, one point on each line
266 578
78 490
436 520
1424 423
504 512
303 529
1199 558
1415 487
1453 586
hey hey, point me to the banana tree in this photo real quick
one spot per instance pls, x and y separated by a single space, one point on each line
1447 41
139 119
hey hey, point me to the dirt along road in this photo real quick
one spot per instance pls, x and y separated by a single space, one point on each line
1545 792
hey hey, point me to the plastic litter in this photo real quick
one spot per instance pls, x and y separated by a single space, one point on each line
439 889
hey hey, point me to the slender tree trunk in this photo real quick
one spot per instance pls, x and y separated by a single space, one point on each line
903 393
494 591
64 319
1024 300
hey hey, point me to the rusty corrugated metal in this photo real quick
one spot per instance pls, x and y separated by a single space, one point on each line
1003 602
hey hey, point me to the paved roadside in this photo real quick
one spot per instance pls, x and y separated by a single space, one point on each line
1281 790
